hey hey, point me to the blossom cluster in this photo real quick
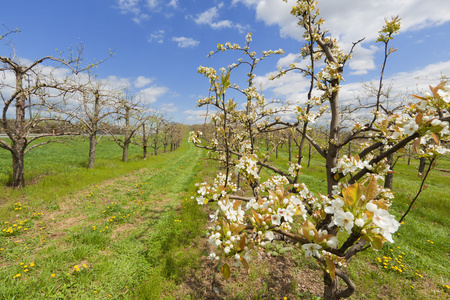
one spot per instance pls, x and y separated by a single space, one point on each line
351 164
363 211
215 191
247 165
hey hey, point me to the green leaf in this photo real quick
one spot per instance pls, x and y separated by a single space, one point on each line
225 271
336 177
376 242
351 194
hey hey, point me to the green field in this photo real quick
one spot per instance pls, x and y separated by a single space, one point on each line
131 231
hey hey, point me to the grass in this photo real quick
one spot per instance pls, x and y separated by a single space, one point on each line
120 231
131 231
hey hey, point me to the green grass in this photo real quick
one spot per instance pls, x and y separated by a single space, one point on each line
138 233
124 238
56 169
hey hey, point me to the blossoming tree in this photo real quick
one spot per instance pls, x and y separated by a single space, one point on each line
353 215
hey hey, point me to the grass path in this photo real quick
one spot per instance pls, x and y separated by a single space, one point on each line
122 238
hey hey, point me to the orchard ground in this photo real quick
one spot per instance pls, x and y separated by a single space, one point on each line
131 231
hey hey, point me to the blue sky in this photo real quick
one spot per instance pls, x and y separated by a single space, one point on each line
160 44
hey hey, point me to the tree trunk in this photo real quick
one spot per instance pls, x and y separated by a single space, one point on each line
422 164
309 155
145 152
18 166
125 152
290 147
19 142
330 287
389 178
92 148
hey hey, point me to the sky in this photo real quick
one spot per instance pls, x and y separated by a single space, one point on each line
158 45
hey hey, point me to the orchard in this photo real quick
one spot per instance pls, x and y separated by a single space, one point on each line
353 215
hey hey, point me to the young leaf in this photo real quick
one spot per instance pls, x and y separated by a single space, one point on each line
242 243
244 264
236 204
330 268
435 137
225 271
372 187
416 145
419 119
351 194
256 216
376 242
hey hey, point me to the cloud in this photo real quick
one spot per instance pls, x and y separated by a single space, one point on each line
211 17
151 94
142 81
168 107
195 116
118 82
152 4
184 42
157 36
132 7
173 3
350 20
363 60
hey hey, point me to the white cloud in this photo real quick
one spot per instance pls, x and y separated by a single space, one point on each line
363 60
118 82
211 17
184 42
168 107
152 4
173 3
142 81
151 94
195 116
351 20
157 36
293 86
132 7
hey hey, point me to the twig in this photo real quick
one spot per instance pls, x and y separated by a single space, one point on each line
420 189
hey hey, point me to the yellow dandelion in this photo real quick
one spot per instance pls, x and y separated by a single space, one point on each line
53 275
